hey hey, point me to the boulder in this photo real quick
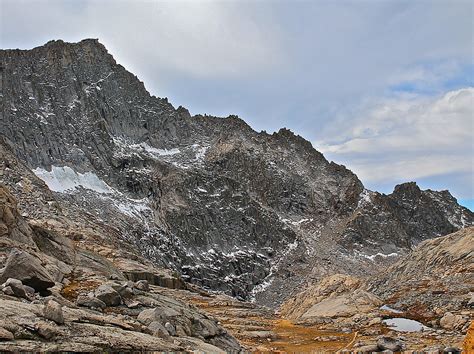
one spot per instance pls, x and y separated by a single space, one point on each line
23 266
46 330
108 295
147 316
160 314
389 343
90 301
451 321
371 348
170 328
125 292
8 291
17 287
207 328
259 334
54 312
142 285
5 334
134 304
29 290
158 329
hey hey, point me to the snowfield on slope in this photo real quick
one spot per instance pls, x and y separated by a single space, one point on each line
64 179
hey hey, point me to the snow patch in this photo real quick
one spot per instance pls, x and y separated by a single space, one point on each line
185 157
64 179
201 151
364 198
372 257
299 222
267 281
261 287
154 151
133 208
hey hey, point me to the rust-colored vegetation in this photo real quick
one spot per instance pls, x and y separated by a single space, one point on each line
75 287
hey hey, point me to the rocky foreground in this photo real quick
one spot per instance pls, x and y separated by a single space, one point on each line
60 296
66 289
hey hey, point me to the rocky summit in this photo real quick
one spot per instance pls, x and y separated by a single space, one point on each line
125 220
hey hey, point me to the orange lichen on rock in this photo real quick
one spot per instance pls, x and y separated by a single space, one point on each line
468 345
74 288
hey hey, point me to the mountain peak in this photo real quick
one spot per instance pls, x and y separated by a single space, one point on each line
407 188
226 207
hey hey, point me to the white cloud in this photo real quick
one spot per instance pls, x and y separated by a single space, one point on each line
203 39
408 138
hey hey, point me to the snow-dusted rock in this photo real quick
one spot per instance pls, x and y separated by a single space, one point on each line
251 214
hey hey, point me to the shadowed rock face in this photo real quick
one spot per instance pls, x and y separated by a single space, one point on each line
251 214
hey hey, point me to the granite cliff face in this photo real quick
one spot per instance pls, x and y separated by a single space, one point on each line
252 214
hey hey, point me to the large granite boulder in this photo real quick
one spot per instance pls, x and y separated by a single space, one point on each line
108 295
54 312
90 301
17 288
27 268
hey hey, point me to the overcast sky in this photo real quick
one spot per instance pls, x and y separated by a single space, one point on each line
383 87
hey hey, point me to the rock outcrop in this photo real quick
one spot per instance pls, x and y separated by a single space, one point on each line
428 294
437 277
54 312
38 311
11 224
28 269
333 297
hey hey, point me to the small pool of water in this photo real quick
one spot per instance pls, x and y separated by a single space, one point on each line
388 308
405 325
